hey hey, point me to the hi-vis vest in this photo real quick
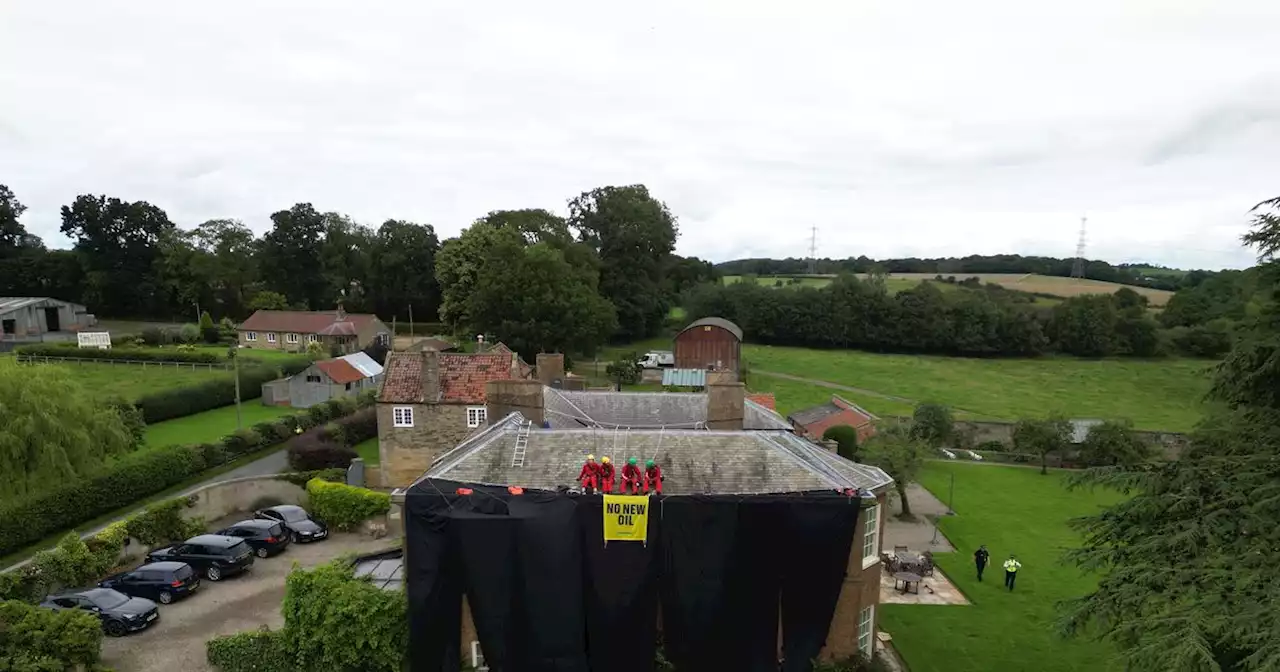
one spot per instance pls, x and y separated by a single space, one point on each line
1011 565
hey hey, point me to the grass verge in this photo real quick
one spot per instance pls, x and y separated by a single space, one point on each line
210 426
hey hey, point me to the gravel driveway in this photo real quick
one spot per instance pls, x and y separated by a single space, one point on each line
244 602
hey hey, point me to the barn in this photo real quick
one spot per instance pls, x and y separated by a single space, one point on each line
712 343
324 380
36 318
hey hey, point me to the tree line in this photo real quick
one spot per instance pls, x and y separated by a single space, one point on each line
1140 275
539 280
861 313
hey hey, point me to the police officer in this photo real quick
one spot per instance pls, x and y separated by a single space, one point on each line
1011 567
980 559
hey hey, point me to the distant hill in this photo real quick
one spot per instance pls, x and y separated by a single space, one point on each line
1137 275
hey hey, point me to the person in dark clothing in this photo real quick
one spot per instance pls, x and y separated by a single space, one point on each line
980 559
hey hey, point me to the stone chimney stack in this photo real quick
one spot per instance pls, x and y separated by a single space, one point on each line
725 405
504 396
550 367
341 314
516 374
431 376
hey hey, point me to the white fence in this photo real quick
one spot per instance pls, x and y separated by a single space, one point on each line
194 366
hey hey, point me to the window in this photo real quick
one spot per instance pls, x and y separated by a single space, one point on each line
291 338
312 338
871 536
476 416
271 337
348 387
383 338
314 379
866 631
250 335
402 416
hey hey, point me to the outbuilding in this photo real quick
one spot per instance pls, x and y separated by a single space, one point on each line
32 318
324 380
712 343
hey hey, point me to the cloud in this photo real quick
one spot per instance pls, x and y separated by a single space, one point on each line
926 129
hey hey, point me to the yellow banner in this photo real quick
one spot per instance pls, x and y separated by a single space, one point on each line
626 518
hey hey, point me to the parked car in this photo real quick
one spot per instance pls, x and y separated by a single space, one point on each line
302 527
213 555
265 537
163 582
119 613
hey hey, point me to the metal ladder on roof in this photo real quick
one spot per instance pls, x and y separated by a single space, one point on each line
522 442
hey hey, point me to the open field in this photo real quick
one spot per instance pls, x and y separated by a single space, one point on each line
131 381
1026 282
1154 394
1011 510
210 426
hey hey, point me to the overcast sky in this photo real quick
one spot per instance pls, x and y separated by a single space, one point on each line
926 128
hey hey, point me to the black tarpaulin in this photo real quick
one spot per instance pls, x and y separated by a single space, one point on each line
547 595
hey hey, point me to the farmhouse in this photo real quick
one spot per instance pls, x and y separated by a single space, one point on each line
812 422
770 541
712 343
342 376
294 330
32 318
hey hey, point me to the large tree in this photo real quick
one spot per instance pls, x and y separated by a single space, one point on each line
403 270
13 236
1188 558
1043 437
119 243
53 429
897 450
633 233
290 255
229 247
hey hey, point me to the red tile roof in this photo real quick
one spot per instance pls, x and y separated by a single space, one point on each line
307 322
462 376
340 371
764 399
402 382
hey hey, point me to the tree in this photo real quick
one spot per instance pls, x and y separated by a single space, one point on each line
458 266
291 257
1187 559
895 449
53 429
268 301
933 424
118 243
229 249
1113 443
402 272
846 439
624 370
1086 325
1042 437
633 233
13 236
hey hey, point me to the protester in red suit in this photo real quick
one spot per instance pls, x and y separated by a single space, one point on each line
589 477
652 477
606 475
631 477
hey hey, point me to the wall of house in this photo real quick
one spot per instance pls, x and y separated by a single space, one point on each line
861 589
703 347
405 453
371 330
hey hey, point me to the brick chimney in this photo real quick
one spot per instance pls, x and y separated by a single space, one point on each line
340 314
504 396
550 367
431 376
725 405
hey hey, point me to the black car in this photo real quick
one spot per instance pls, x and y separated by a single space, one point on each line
302 527
119 613
213 555
266 537
163 582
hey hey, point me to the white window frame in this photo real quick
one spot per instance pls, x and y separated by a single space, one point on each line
250 335
271 337
402 416
291 338
477 416
312 338
871 536
867 630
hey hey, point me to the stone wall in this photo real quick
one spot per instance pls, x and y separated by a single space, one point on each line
405 453
222 499
975 432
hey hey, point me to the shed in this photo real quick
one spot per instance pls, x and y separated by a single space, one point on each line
712 343
330 378
31 318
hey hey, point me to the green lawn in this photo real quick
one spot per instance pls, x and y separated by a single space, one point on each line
131 381
1161 394
792 396
210 426
1011 510
368 451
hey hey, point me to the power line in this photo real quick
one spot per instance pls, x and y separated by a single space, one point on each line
1077 268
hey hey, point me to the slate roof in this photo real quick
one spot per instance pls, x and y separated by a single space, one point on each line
693 461
307 322
11 303
715 322
350 368
569 409
436 344
462 376
815 414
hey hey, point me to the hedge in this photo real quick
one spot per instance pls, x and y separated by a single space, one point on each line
330 445
343 507
126 353
215 393
42 639
135 477
258 651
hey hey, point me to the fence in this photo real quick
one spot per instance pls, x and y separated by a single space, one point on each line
41 359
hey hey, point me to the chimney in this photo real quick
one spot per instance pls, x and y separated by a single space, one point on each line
516 374
431 376
725 405
504 396
340 313
550 367
479 342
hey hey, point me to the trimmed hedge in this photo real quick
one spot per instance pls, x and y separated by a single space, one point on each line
215 393
257 651
36 639
343 507
28 520
126 353
310 452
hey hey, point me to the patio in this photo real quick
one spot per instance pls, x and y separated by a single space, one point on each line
935 589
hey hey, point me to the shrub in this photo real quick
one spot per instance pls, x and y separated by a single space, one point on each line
205 396
992 446
301 478
213 453
846 439
334 433
320 413
241 442
132 419
36 639
188 333
132 354
343 507
162 522
361 425
260 651
336 622
310 452
156 336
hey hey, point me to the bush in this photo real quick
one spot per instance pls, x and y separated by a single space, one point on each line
132 354
301 478
242 442
188 333
361 425
338 623
343 507
311 451
259 651
992 446
156 336
34 639
846 439
320 413
162 522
